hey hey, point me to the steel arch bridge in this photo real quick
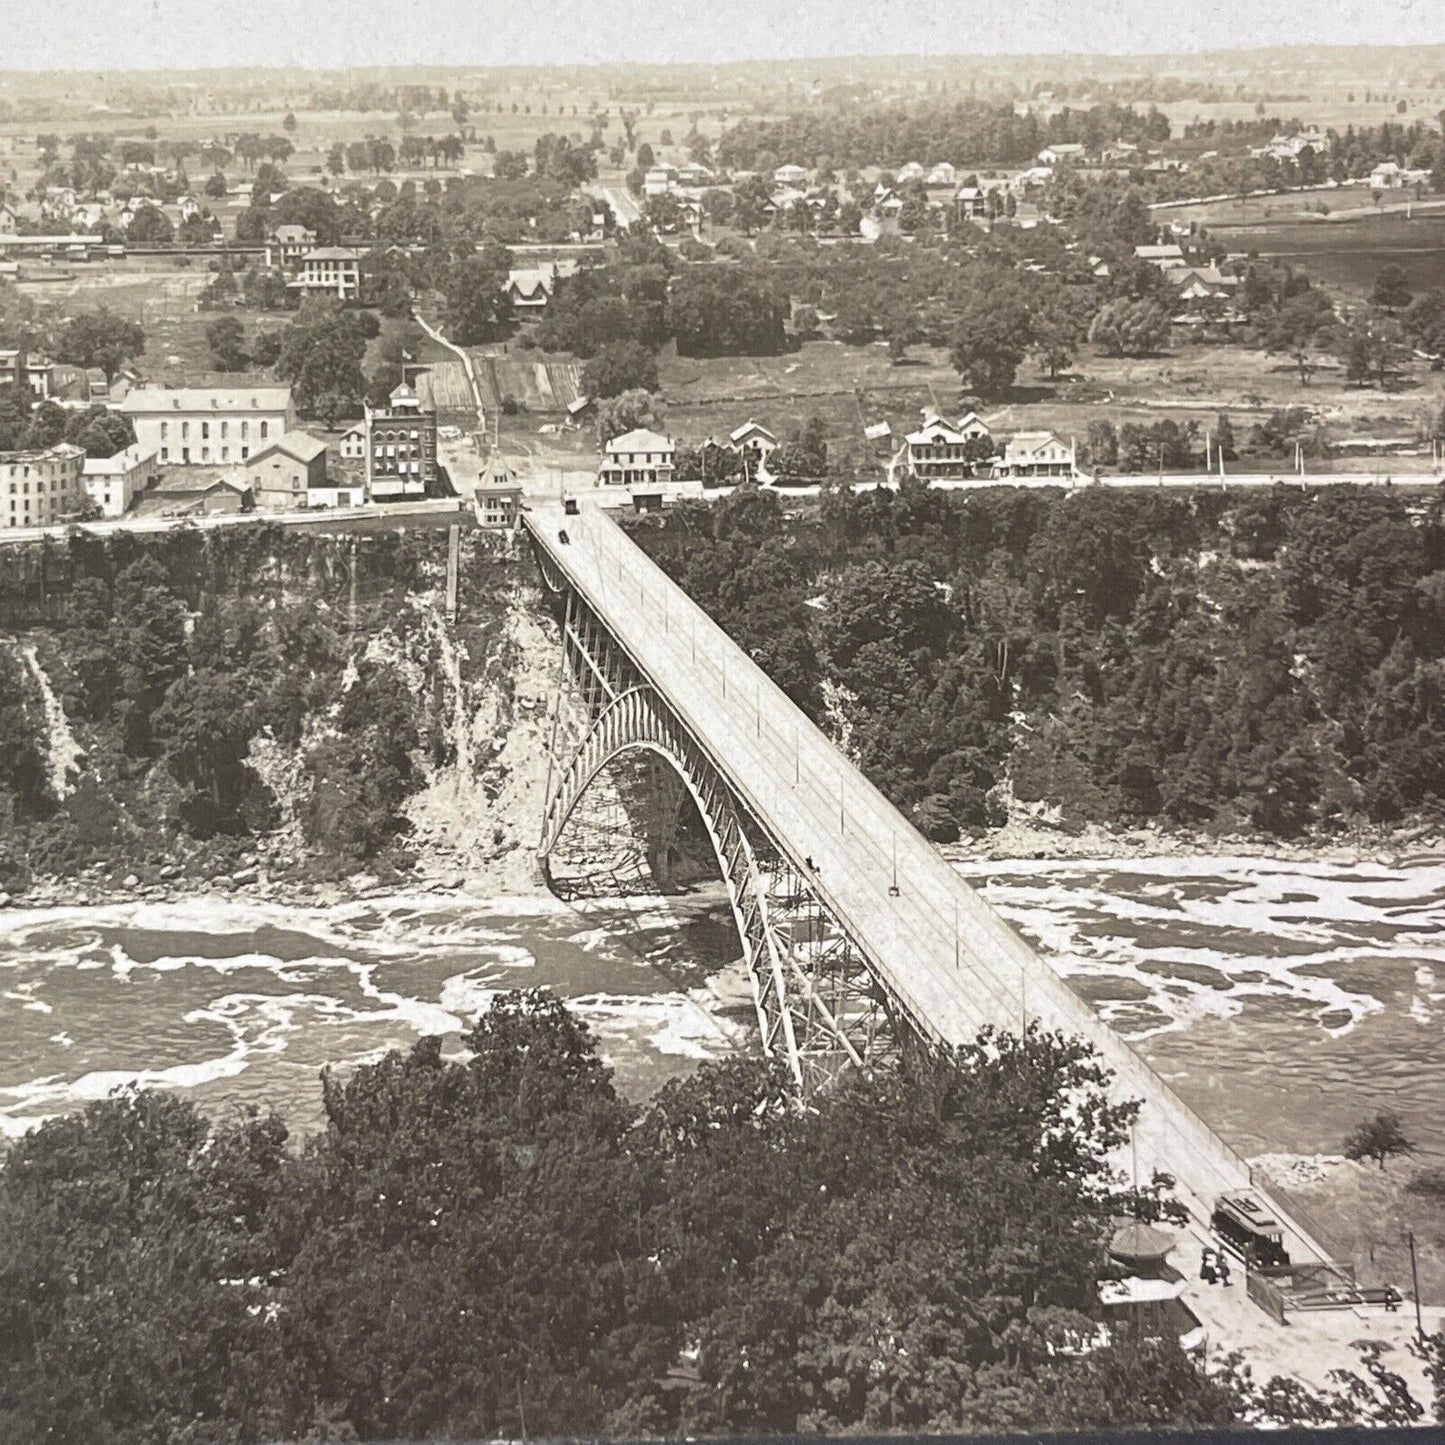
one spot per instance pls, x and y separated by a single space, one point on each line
818 1006
860 940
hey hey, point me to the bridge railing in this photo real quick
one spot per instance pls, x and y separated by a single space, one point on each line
944 906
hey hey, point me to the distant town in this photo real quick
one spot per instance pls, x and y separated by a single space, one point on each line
405 292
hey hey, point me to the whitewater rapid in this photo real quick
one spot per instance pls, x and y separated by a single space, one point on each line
1283 999
246 1002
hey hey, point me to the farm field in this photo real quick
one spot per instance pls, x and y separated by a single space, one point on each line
1348 254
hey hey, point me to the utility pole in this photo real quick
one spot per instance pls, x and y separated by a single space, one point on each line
1415 1289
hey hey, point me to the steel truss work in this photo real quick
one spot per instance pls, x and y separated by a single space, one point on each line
819 1008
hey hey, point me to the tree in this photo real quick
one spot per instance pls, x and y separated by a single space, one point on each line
99 338
215 186
100 431
626 412
1101 444
803 457
321 356
899 323
477 306
1295 329
266 349
1392 289
150 226
1224 437
226 337
149 648
617 367
992 337
1378 1138
1058 329
1130 328
716 313
1371 346
510 166
288 123
1424 322
203 728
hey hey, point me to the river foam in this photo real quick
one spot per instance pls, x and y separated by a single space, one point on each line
236 1000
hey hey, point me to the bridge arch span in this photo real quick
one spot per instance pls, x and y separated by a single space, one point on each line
637 720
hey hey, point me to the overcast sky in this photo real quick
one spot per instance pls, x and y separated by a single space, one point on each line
332 34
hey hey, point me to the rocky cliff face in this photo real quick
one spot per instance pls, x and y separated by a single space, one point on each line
276 707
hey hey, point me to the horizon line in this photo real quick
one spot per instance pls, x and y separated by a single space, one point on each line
1003 53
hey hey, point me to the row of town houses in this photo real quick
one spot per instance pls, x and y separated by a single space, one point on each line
202 450
940 450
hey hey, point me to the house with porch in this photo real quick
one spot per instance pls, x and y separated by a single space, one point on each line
638 458
1036 454
943 451
329 271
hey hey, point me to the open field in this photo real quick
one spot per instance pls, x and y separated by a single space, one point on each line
848 386
1328 109
1190 383
1335 205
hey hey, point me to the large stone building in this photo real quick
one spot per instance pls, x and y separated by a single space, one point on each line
401 447
42 487
208 425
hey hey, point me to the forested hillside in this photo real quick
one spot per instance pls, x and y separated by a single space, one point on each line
1272 661
503 1246
205 703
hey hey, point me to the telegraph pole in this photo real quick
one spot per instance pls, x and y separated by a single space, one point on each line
1415 1289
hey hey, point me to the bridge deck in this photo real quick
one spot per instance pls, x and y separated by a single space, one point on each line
944 955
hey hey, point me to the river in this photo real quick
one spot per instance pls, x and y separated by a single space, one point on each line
1283 999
